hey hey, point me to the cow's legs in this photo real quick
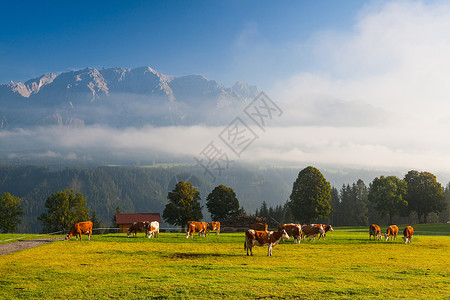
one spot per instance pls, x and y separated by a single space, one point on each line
249 246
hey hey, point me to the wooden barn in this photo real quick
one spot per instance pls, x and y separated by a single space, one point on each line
124 221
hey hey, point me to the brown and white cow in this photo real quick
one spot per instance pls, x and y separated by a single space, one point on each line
391 232
260 226
312 231
213 226
294 230
141 226
374 230
408 234
153 229
194 226
80 228
326 228
263 238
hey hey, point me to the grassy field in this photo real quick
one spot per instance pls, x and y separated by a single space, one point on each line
346 265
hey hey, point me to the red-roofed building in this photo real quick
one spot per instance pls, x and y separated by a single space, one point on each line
124 221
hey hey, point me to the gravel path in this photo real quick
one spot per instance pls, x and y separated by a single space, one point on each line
21 245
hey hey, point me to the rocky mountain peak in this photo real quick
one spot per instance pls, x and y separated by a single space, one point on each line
117 97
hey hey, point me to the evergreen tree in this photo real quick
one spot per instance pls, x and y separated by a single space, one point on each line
96 223
242 211
335 216
362 198
11 212
114 224
347 205
444 216
287 214
183 206
263 210
310 197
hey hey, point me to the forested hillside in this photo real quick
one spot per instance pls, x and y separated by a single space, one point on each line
134 189
145 189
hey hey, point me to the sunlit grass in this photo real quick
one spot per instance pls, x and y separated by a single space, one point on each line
346 265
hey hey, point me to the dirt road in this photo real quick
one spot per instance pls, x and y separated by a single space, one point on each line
21 245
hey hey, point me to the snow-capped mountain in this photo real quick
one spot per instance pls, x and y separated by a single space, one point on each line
119 97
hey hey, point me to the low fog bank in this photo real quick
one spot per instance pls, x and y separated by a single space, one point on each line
331 148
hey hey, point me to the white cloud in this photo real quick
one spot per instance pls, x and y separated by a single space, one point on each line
318 145
397 55
394 62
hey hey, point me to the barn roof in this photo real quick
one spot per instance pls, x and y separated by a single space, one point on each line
130 218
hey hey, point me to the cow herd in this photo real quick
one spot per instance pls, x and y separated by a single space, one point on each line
151 229
202 228
258 235
391 233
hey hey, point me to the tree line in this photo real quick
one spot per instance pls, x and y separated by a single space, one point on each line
410 200
312 199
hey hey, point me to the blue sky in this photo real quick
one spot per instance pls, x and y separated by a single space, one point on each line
223 40
361 83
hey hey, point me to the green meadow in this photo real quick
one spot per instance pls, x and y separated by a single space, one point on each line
345 265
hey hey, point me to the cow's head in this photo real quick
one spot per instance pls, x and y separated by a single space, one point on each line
284 235
405 240
68 236
386 237
378 234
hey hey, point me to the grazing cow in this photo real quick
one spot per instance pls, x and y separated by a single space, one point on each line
326 228
312 231
80 228
153 229
141 226
211 226
263 238
294 230
375 231
391 232
194 226
260 226
408 234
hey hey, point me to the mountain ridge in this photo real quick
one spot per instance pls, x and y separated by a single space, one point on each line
118 97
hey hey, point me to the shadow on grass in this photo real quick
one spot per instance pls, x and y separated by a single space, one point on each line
182 255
